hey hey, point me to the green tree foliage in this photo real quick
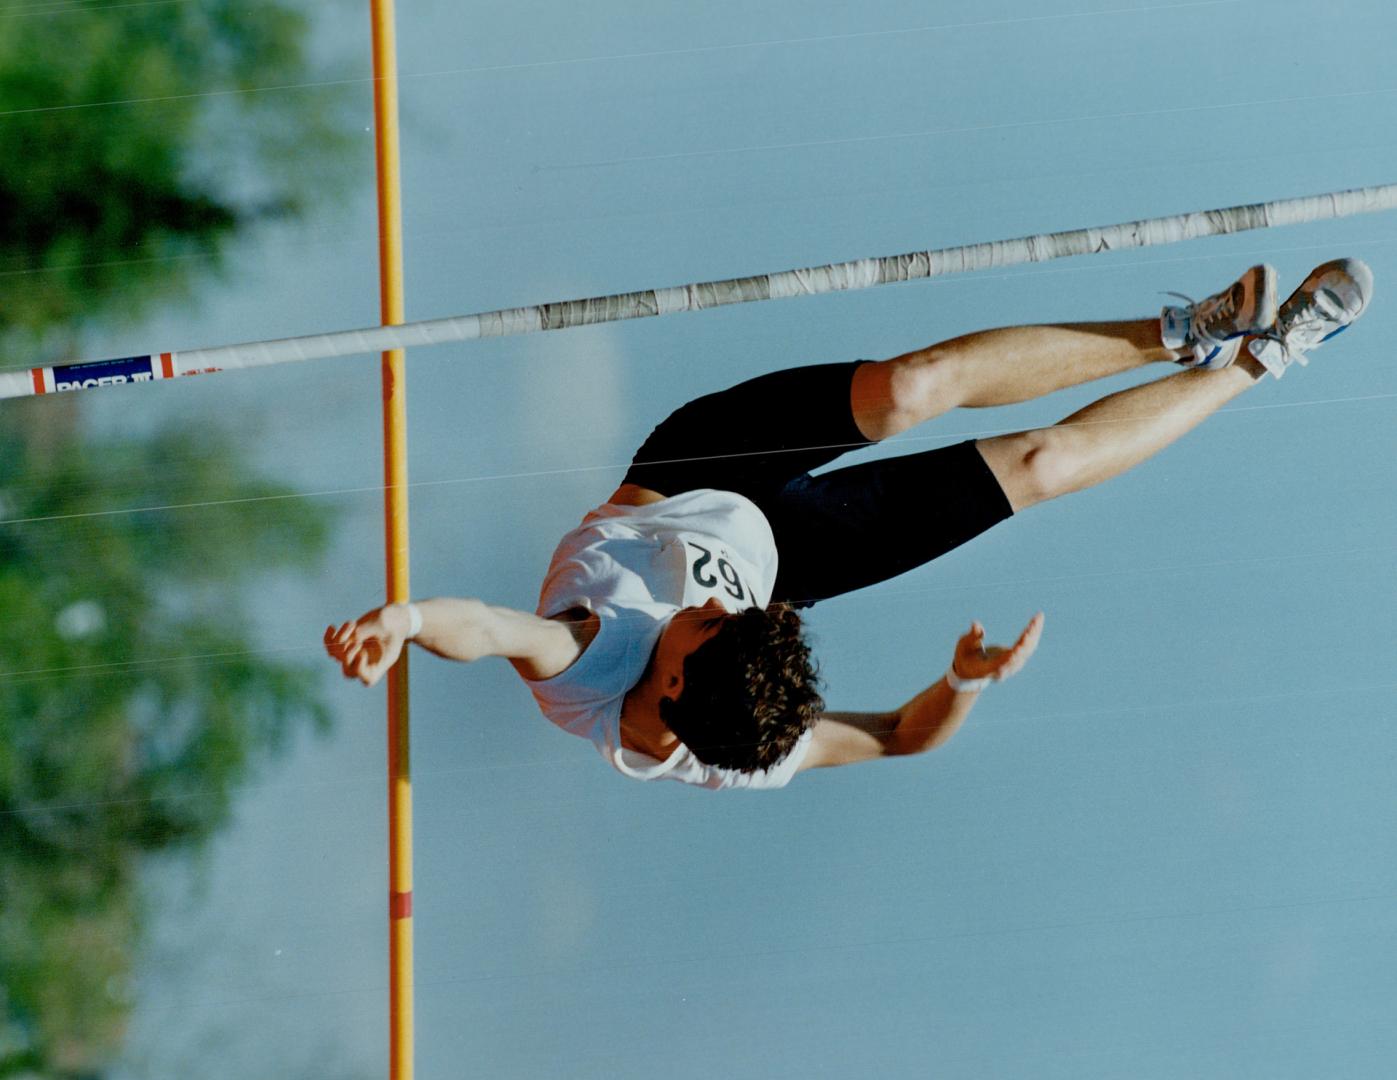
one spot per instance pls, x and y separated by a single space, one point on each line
133 699
135 141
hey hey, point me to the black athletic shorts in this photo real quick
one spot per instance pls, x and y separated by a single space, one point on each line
837 532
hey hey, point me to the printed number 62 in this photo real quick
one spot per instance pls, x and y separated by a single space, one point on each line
732 583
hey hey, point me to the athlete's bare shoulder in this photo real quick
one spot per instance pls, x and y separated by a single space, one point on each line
634 495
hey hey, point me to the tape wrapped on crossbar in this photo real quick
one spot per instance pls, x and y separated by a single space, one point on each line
811 281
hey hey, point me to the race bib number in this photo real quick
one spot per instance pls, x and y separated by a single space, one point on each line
713 571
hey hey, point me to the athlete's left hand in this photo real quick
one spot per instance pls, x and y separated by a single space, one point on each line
976 660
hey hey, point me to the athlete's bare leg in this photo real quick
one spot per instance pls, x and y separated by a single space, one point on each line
1111 435
997 367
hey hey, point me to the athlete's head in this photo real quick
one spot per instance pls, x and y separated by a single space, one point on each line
749 687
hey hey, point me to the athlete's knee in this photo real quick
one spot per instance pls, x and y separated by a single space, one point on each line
890 396
929 380
1031 466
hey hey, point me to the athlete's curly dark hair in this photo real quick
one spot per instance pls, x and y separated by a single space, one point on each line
749 692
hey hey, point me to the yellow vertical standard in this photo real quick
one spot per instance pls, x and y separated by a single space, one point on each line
390 249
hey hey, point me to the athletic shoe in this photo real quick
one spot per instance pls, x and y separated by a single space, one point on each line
1211 330
1327 302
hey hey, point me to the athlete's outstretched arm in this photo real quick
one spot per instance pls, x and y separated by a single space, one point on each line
460 629
930 718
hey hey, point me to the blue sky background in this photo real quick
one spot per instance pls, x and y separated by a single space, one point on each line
1165 849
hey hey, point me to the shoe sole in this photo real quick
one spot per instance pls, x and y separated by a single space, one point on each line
1355 270
1267 308
1256 286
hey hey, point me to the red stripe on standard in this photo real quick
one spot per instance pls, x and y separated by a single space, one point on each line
167 365
38 375
400 905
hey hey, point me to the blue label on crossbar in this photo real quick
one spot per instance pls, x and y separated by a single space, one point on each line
127 369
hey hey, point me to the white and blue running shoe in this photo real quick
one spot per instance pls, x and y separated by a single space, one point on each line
1327 302
1210 331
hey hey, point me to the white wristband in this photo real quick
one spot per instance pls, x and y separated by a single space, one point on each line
414 621
962 686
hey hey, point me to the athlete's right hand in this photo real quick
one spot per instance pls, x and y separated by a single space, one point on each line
367 647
